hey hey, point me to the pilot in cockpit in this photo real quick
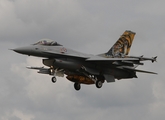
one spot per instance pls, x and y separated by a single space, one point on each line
47 42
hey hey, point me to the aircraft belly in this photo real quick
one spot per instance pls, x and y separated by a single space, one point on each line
67 64
63 64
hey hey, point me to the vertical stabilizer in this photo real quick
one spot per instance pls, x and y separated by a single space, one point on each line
122 46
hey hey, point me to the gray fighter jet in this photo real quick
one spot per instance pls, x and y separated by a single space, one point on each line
88 69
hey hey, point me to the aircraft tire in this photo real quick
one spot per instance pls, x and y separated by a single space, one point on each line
54 79
99 84
77 86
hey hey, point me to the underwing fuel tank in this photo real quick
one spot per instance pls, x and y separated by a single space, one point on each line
60 63
80 79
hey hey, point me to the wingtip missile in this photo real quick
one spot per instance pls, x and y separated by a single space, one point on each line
154 59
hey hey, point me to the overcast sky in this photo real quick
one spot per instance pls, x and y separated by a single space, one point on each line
89 26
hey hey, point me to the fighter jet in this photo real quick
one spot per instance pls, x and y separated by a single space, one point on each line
81 68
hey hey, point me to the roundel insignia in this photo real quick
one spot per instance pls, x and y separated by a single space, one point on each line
63 50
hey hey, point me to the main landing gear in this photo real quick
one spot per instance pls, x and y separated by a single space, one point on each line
77 86
97 80
99 83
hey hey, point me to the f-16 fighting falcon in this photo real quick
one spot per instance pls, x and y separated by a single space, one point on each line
81 68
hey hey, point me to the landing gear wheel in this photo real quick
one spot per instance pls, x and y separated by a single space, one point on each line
54 79
99 84
77 86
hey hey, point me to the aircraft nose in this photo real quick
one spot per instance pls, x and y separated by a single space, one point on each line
22 50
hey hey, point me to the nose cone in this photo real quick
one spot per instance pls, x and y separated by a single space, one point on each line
23 50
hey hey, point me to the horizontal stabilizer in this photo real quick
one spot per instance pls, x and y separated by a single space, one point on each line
136 70
145 71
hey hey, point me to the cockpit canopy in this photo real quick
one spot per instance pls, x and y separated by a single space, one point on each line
47 42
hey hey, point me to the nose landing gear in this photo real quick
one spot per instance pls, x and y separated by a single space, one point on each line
54 79
53 72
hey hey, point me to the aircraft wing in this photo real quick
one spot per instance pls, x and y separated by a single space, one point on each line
101 59
120 60
114 61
